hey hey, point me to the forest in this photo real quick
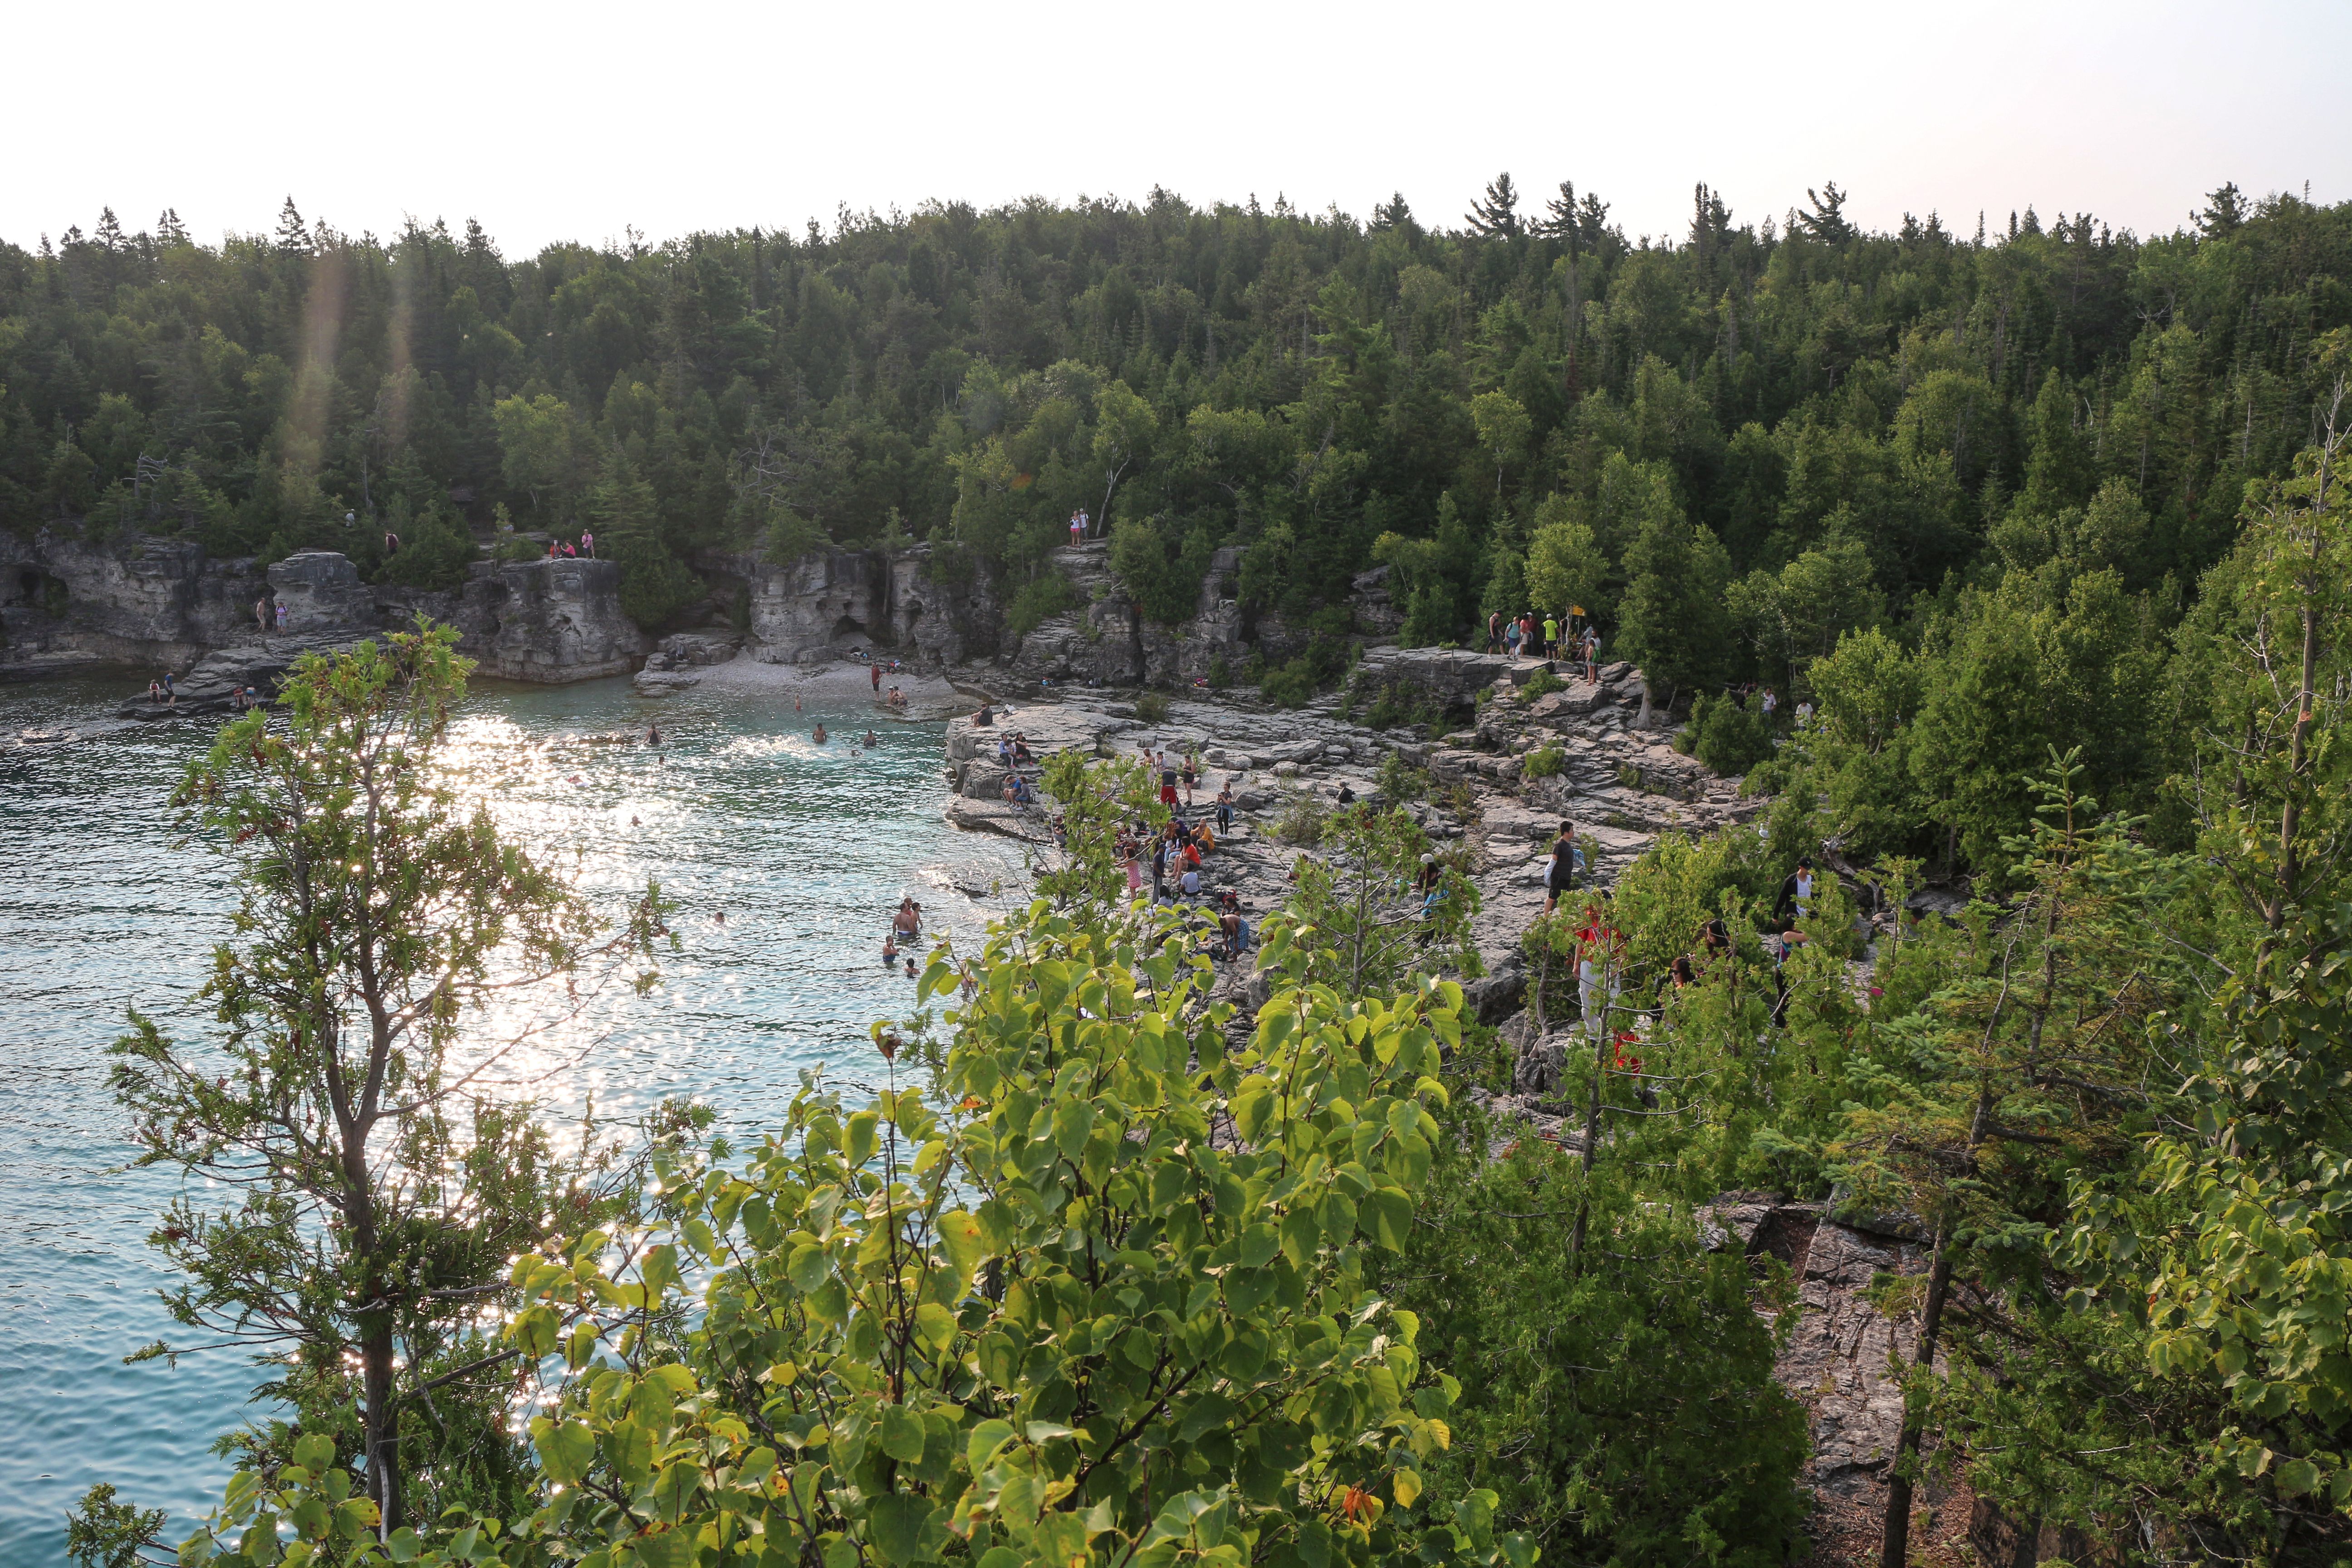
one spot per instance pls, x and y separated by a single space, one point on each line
2045 524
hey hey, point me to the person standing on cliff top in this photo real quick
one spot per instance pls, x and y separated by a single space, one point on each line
1077 529
588 544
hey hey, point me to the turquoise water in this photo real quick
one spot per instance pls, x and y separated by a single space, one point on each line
804 849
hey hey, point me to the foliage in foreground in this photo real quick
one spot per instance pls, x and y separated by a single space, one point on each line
1110 1307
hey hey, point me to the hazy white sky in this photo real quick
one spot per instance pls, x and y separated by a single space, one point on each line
574 121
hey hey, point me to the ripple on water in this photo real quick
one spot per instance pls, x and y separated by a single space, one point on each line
805 848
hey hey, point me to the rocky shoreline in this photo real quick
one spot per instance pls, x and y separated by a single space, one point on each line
1622 785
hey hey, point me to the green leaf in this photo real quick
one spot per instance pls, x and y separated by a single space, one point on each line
314 1451
895 1525
985 1440
809 1269
565 1449
629 1449
1259 1244
2297 1477
1301 1234
902 1433
1209 1410
1390 1214
960 1239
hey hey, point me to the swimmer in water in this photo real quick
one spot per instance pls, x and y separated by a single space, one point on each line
910 969
872 740
890 951
633 822
819 735
720 916
796 704
653 735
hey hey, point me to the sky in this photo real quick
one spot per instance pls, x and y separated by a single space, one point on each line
582 121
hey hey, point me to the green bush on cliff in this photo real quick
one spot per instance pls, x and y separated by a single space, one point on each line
1726 734
1040 600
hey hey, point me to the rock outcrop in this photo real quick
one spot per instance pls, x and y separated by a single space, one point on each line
66 600
1105 640
550 621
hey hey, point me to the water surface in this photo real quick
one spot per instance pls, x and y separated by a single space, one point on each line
804 849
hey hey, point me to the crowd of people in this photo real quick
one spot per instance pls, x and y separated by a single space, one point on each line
1525 637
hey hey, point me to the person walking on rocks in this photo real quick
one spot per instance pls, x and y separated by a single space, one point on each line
1494 631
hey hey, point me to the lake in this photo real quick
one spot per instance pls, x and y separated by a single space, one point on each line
805 849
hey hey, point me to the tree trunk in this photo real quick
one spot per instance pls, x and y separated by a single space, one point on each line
1897 1547
383 1439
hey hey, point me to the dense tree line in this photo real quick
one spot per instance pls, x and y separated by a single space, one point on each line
1890 414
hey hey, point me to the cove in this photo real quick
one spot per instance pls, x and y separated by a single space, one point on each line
805 849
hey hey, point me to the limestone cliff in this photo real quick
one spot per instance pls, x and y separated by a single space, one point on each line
66 600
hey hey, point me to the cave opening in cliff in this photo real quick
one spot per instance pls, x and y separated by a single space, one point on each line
849 630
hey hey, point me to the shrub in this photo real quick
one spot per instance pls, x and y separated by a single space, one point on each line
1302 820
1151 708
1543 763
1400 780
1291 686
1542 683
1727 736
1221 674
1039 601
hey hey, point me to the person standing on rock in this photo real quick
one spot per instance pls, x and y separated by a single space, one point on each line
1078 531
281 615
1560 877
876 671
1551 636
261 612
1592 656
1225 809
588 544
1494 631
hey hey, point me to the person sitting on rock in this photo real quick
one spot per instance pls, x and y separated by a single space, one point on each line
1016 789
983 717
1022 754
